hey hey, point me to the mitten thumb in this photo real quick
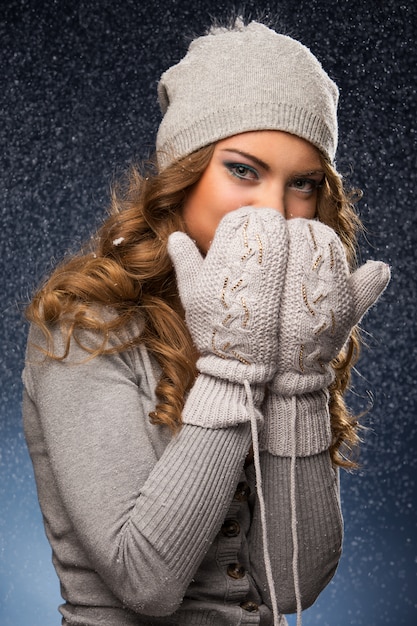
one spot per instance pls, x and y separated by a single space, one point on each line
366 285
187 262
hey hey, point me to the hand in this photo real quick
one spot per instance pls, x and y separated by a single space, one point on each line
321 303
232 296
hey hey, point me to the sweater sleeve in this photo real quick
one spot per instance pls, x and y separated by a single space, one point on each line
144 522
318 522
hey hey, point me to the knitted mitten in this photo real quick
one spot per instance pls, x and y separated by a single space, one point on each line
321 303
231 300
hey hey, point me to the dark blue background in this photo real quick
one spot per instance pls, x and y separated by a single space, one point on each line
77 104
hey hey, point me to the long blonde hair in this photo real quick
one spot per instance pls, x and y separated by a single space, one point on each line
126 268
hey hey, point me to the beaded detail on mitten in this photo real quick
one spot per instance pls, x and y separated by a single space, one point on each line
232 296
321 302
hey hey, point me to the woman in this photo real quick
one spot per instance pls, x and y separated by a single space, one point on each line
184 380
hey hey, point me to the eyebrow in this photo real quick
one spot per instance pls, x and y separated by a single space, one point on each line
266 167
251 157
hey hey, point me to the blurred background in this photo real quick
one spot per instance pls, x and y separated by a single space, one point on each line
77 105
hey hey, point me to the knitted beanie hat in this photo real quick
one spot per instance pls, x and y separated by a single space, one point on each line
243 79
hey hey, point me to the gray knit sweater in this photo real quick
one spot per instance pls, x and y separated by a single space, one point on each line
146 528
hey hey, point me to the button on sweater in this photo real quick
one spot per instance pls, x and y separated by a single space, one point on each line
148 528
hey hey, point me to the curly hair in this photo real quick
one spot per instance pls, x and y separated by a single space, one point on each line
125 268
335 207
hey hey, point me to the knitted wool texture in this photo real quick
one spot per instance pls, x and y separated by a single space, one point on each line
232 296
245 79
321 302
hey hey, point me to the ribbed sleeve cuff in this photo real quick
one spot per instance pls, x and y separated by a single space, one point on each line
218 403
297 425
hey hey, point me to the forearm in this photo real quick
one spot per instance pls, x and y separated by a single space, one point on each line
143 513
179 511
318 522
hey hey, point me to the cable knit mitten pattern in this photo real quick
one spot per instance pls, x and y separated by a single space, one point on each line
321 303
232 296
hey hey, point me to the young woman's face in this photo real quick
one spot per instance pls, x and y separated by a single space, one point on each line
262 169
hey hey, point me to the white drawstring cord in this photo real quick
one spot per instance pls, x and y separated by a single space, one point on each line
294 509
278 621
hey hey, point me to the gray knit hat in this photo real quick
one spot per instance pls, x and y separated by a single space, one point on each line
243 79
